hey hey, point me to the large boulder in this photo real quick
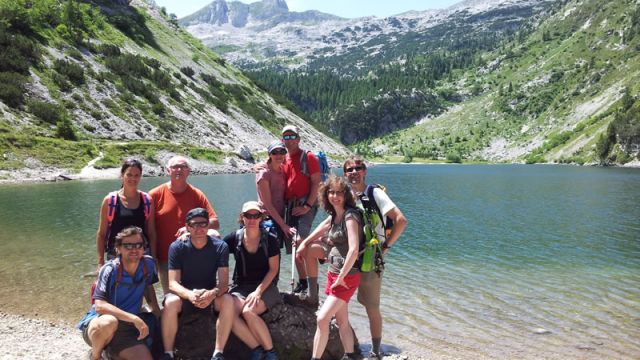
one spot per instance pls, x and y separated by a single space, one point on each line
292 328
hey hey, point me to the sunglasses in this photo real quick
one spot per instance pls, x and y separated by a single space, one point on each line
199 224
252 216
354 169
289 137
131 246
335 192
279 152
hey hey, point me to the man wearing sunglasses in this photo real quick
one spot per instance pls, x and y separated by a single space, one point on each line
198 279
116 322
355 170
172 201
300 196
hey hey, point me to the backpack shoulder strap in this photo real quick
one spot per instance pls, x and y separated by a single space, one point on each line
372 201
239 251
112 206
264 241
146 200
303 162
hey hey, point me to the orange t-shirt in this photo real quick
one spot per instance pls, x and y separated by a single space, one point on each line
171 210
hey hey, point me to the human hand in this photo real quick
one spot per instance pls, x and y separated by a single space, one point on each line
339 282
181 232
213 233
142 327
253 299
299 210
301 251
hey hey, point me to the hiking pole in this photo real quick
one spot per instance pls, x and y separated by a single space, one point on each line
294 243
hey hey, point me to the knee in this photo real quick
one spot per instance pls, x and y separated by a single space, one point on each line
224 303
342 322
105 325
172 306
323 321
249 313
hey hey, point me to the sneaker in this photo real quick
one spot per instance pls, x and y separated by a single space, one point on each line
256 354
301 288
217 356
271 355
166 356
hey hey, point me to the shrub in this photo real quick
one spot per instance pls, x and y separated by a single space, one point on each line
65 130
188 71
454 157
12 88
47 112
61 82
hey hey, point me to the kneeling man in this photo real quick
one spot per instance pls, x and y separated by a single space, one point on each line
115 322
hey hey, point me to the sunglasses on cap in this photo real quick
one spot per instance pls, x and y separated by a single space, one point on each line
354 169
131 246
198 224
279 152
289 137
252 216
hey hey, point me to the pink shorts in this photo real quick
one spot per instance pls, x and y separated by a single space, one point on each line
341 292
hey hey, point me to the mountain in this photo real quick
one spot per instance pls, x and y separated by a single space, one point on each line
500 80
121 78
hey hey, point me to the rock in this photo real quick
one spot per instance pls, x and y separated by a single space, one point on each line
541 331
292 329
245 153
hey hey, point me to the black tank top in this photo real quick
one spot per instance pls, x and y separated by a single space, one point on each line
125 217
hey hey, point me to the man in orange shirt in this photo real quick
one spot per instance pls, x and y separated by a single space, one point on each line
172 201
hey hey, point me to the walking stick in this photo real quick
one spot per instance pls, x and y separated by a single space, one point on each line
294 241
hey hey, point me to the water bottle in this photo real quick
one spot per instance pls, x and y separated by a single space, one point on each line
371 242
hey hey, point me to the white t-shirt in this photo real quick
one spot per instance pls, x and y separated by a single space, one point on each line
385 204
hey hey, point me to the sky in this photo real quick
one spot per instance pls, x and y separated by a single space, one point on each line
343 8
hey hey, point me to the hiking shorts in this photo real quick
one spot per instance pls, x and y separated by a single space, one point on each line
369 289
271 296
126 336
341 292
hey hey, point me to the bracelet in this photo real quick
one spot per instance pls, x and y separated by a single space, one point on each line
307 205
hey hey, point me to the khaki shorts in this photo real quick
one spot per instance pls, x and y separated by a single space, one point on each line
369 290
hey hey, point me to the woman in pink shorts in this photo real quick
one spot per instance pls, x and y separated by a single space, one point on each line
344 230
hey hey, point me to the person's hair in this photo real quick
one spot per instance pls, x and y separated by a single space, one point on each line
174 159
126 232
130 162
356 159
335 182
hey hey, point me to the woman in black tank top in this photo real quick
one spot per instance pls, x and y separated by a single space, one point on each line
123 208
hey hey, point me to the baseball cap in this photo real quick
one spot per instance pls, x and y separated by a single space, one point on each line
290 128
197 212
275 145
251 205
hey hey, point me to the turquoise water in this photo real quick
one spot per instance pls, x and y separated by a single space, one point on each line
493 255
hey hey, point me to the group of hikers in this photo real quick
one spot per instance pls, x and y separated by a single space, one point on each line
171 235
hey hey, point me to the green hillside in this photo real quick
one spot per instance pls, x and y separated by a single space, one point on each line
82 77
550 96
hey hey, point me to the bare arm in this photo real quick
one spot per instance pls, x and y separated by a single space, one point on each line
317 233
150 227
311 199
152 300
265 196
399 224
101 234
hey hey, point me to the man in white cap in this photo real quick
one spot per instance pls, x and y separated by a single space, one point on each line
302 171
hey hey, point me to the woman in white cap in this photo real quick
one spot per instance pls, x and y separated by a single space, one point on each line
271 184
254 288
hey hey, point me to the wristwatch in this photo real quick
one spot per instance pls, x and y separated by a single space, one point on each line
385 246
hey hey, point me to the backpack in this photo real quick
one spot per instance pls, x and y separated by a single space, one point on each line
370 255
322 159
118 279
112 206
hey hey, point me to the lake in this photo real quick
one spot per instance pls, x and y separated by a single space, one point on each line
502 261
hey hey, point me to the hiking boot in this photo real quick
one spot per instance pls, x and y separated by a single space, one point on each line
166 356
217 356
301 288
271 355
